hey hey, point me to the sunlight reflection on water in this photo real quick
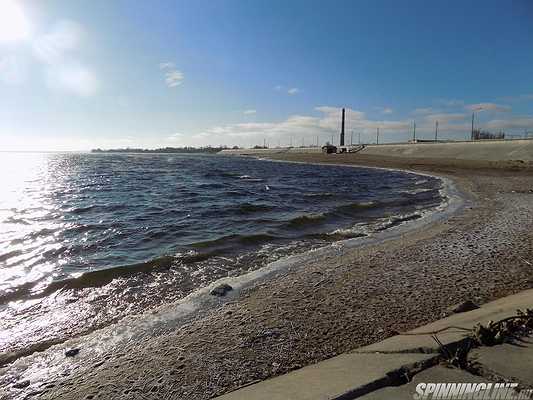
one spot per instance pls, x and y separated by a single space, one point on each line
87 239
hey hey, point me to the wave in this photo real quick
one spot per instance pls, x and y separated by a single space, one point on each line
96 278
358 230
97 207
251 208
357 206
308 219
81 210
41 232
103 277
230 241
216 173
417 191
319 195
249 178
397 220
211 185
15 220
6 256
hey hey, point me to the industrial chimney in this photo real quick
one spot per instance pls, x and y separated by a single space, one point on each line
342 129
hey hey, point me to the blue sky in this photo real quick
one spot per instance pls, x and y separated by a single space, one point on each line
81 74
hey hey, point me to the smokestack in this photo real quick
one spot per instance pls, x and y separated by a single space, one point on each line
342 129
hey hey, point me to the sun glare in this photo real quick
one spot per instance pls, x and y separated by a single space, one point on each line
13 23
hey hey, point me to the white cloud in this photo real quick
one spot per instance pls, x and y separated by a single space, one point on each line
387 110
74 78
54 47
63 70
293 91
249 112
327 122
423 111
175 136
298 126
166 65
517 122
450 102
173 77
445 117
487 107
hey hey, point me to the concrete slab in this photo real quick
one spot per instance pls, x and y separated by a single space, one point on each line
344 375
371 368
494 311
511 361
438 374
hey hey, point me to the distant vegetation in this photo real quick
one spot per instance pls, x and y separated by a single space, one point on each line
166 150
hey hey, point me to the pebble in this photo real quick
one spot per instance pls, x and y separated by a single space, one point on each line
221 290
21 384
465 306
72 352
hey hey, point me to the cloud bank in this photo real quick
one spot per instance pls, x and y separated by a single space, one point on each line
327 122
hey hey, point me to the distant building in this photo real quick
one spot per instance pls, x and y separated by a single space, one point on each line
485 135
329 148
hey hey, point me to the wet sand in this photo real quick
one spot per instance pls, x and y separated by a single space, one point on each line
333 304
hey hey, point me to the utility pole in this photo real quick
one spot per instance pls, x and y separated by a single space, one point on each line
341 142
351 139
332 138
303 142
377 136
264 143
472 131
359 133
414 131
436 130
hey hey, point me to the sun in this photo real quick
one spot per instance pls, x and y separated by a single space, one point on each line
13 23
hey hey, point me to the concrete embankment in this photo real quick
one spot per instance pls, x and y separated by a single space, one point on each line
391 369
498 150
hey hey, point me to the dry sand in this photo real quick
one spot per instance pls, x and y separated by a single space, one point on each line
333 305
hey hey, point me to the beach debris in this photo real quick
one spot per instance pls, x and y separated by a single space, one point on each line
221 290
22 384
504 330
465 306
72 352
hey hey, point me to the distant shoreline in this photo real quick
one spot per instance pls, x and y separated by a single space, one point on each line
165 150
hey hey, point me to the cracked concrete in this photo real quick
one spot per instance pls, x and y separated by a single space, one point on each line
343 377
438 374
513 361
393 367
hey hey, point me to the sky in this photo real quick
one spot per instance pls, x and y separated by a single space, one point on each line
76 74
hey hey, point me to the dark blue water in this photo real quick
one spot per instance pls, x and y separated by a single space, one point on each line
106 235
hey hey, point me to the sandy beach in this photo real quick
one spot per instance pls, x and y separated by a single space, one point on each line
333 304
